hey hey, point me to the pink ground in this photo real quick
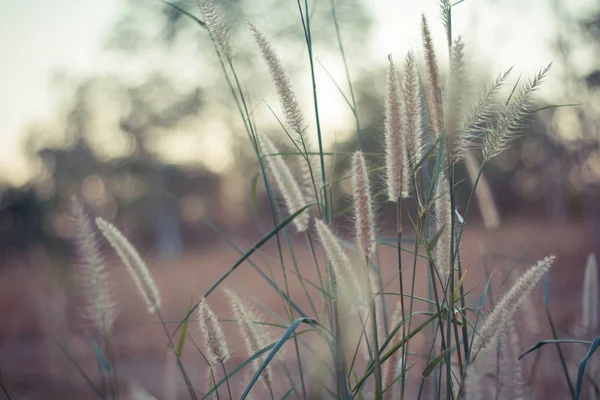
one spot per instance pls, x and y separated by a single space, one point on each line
37 314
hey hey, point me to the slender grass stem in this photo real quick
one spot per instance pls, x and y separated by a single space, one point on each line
561 355
400 278
226 380
186 378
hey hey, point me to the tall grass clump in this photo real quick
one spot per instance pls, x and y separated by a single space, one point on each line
434 345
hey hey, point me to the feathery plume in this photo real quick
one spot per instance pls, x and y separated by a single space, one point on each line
512 119
135 265
411 122
504 311
99 307
455 102
445 14
512 376
291 192
443 223
363 207
394 141
589 301
483 110
351 287
435 100
472 383
218 30
255 336
291 108
216 347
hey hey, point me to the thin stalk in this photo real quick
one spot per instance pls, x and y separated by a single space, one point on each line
307 32
453 252
226 380
378 381
402 309
212 374
347 71
186 378
561 355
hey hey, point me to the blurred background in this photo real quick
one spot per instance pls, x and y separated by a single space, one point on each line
123 103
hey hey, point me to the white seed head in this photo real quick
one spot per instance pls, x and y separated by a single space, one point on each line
100 306
133 262
256 337
352 283
510 365
443 222
364 221
217 29
411 123
216 347
504 311
434 98
394 140
288 186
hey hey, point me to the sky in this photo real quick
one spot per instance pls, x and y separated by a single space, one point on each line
40 37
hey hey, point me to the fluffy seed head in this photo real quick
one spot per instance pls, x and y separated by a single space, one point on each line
434 97
99 307
135 265
288 186
589 303
364 227
455 103
256 337
510 365
504 311
394 141
291 109
216 347
411 123
443 222
287 96
351 283
513 118
217 29
483 110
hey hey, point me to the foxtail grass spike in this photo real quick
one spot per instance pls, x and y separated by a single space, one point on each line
394 141
364 224
434 96
504 311
255 336
513 118
512 375
216 347
352 282
411 123
443 223
484 110
291 108
135 265
455 103
288 186
218 30
100 306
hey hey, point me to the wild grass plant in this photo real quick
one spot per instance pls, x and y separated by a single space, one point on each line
359 336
